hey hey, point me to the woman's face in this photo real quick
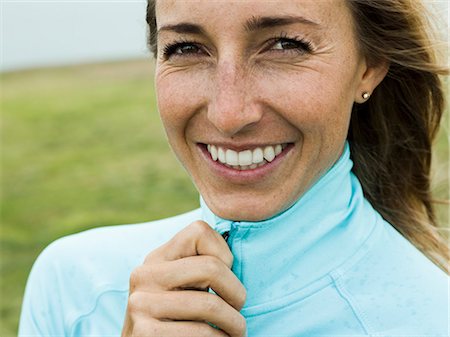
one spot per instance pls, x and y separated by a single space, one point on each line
244 80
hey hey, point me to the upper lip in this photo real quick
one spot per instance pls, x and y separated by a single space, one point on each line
243 146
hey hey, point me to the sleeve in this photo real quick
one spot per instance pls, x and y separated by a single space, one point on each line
42 308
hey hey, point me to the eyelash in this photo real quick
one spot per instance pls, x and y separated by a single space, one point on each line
171 48
302 46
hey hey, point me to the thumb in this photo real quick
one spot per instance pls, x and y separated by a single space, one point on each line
196 239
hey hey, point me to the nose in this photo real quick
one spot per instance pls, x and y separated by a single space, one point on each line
233 107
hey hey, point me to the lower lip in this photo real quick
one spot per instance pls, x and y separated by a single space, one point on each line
244 176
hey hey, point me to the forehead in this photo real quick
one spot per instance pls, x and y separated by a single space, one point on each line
227 12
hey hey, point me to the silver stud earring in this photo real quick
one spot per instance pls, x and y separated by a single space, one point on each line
365 95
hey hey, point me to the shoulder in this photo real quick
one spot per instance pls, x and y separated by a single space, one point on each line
147 231
110 251
74 271
394 289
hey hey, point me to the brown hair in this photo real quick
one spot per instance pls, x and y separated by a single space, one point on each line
392 133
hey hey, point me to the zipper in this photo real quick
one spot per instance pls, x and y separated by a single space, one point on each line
226 235
225 228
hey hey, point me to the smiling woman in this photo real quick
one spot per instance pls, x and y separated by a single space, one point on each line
307 128
238 87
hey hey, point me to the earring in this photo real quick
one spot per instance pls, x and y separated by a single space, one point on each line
365 95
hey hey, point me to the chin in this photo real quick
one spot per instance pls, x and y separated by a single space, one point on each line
244 211
242 216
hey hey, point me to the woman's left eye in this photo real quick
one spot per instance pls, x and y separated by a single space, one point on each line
181 49
287 44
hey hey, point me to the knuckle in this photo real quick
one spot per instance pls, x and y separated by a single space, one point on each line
149 259
135 277
213 266
211 303
144 303
200 228
242 298
183 240
241 325
146 276
134 302
193 231
147 328
229 258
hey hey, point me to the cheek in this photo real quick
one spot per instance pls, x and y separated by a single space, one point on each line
178 100
310 101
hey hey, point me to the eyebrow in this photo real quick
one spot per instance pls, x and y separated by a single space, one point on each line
253 24
184 27
259 23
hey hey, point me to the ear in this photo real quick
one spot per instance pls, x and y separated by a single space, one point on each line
372 75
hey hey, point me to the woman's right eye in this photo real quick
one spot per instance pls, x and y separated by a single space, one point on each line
181 49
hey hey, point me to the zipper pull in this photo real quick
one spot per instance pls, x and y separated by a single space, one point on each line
225 235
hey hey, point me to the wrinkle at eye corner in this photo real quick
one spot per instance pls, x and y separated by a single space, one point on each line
165 68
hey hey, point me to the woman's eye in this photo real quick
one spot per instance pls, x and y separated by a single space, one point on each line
182 49
300 46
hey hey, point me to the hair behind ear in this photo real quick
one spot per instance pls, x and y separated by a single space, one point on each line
392 133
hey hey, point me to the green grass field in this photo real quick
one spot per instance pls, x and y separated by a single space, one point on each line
81 147
84 147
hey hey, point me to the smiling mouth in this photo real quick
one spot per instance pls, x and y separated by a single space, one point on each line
248 159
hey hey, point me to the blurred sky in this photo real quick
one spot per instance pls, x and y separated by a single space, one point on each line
56 32
40 33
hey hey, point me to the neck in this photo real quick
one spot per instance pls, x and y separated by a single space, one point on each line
319 232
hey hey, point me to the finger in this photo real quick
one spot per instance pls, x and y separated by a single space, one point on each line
147 328
191 305
195 272
196 239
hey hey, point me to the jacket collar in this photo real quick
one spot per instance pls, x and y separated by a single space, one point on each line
291 250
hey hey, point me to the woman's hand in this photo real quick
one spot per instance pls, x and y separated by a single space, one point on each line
169 292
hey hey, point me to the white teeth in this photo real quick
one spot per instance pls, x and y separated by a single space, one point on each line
269 153
213 152
221 155
247 159
231 157
258 155
278 149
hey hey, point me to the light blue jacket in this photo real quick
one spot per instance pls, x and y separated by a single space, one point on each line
328 266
